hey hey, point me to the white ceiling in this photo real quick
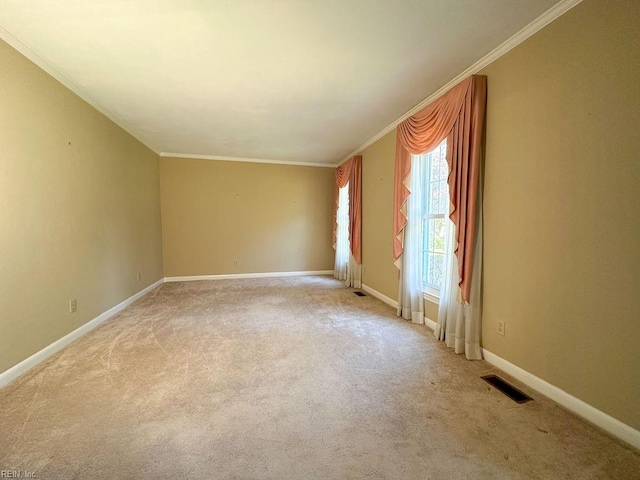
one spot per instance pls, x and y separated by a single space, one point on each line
291 80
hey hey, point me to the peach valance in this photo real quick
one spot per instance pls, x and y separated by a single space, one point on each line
459 117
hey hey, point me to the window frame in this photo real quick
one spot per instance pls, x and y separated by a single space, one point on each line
430 292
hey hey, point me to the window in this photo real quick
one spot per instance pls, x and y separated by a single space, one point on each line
435 219
342 235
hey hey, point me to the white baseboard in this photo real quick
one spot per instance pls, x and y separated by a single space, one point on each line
27 364
389 301
38 357
430 323
606 422
611 425
380 296
247 275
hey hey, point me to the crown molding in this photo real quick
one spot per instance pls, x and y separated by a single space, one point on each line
25 50
543 20
539 23
246 160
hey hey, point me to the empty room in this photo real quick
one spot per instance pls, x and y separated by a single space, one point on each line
304 239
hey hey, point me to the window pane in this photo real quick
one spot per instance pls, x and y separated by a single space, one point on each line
427 197
438 160
437 233
425 266
434 192
435 270
434 252
425 249
436 224
439 198
431 240
434 171
444 198
426 191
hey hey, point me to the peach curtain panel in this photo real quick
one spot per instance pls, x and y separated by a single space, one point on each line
343 173
350 172
459 117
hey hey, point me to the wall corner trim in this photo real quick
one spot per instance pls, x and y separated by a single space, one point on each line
193 278
606 422
48 67
430 323
40 356
246 160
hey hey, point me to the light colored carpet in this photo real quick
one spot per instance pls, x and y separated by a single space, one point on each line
290 378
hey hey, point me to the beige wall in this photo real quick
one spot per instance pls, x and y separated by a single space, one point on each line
562 206
270 218
79 211
379 272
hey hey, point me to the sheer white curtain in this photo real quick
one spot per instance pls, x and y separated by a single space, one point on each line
460 325
410 298
343 250
354 273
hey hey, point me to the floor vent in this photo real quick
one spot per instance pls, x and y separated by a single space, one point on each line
509 390
360 294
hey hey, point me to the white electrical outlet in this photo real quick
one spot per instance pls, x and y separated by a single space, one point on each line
73 306
500 328
139 276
